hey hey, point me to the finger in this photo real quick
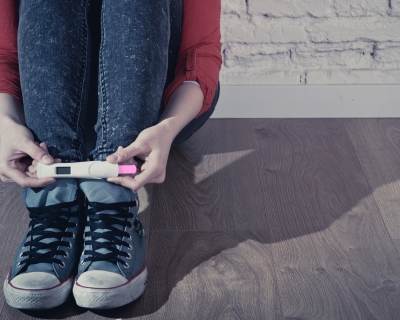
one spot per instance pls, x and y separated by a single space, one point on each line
36 152
123 154
32 169
5 179
28 182
44 146
130 161
32 175
138 181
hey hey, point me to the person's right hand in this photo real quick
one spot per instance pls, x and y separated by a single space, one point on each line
17 150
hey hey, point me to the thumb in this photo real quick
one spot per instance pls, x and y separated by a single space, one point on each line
123 154
36 152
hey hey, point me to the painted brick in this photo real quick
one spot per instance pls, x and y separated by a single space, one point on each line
318 9
310 41
272 61
290 8
237 7
353 77
261 30
361 8
345 59
255 76
355 29
395 10
388 55
279 30
235 29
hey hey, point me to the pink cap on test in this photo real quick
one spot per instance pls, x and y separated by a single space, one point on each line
127 169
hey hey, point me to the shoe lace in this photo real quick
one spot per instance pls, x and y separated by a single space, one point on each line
113 235
56 217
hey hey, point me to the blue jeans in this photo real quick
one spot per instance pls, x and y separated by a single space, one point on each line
136 61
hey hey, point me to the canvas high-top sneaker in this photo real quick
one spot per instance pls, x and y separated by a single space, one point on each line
43 270
112 270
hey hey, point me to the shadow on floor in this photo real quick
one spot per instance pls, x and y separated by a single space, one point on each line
194 219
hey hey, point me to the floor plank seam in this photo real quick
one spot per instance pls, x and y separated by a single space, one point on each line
368 181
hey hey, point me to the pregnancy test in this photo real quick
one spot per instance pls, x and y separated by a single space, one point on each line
88 169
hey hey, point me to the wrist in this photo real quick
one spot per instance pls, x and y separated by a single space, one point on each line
11 110
7 123
170 127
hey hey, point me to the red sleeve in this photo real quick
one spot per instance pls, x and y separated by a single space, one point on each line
199 56
9 73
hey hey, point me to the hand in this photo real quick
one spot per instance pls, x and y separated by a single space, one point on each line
17 149
152 146
32 169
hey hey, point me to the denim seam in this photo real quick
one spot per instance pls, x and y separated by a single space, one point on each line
84 41
102 84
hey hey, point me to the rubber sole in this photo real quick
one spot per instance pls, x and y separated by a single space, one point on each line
93 298
37 299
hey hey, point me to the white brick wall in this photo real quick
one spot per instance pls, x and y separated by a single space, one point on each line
311 41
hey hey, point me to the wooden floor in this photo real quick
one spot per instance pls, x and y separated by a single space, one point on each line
262 219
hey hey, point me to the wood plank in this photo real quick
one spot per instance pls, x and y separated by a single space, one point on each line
211 183
396 243
12 208
211 275
309 172
345 272
145 202
332 253
10 237
377 144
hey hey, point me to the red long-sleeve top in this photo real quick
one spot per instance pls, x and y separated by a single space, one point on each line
199 56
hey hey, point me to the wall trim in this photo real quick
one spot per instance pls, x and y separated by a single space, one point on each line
308 101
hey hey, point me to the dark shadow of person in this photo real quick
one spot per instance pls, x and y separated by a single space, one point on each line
233 189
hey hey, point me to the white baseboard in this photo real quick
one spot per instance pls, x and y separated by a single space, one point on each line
309 101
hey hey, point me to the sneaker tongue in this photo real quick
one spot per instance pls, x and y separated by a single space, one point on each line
43 267
106 265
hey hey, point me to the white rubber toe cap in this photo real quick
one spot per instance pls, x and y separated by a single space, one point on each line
100 279
35 280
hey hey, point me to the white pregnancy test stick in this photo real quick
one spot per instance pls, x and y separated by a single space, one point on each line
88 169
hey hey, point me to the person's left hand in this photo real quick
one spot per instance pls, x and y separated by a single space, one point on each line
152 146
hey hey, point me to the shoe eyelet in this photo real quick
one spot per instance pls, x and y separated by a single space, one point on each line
69 245
20 255
65 255
73 236
129 256
130 247
19 265
125 265
83 262
62 264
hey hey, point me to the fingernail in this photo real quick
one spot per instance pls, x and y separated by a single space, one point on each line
47 159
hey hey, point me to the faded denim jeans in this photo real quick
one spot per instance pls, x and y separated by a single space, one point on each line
136 59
